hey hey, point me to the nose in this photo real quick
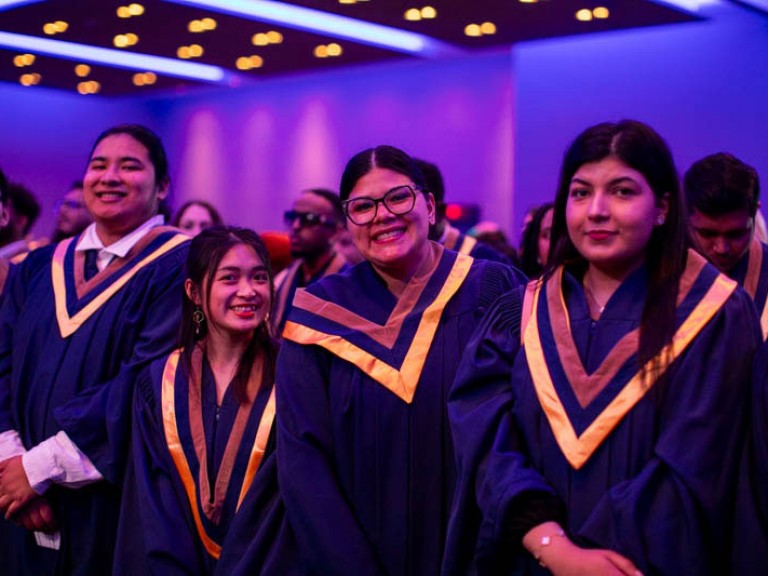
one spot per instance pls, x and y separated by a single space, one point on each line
721 246
382 213
245 288
110 173
598 206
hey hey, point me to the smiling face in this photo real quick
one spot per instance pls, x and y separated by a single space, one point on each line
239 296
610 214
120 190
396 245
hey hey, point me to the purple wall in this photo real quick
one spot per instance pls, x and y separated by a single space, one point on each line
251 151
703 86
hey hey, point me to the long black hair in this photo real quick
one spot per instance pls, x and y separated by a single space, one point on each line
530 263
638 146
206 251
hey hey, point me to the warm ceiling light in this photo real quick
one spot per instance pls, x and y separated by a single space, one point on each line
260 39
115 58
321 51
23 60
61 26
82 70
123 12
488 28
347 1
412 14
473 30
150 78
195 51
183 52
428 13
136 9
256 61
529 1
132 39
90 87
120 41
208 23
138 79
601 12
243 63
334 49
144 78
50 29
584 15
274 37
195 26
30 79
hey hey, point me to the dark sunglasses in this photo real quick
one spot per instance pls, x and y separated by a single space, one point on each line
307 219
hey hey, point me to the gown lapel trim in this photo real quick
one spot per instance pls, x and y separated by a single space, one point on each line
178 455
578 449
68 325
402 382
751 280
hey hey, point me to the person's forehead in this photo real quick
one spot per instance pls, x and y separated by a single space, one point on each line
310 202
74 194
735 220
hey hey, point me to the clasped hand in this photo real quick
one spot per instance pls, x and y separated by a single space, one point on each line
19 502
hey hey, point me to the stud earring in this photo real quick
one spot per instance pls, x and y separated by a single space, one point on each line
660 220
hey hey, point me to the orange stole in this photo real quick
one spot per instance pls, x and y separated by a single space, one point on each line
179 457
403 381
68 325
578 449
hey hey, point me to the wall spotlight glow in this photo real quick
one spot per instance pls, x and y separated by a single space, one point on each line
331 24
115 58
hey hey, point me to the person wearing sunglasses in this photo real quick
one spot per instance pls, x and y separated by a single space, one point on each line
313 222
365 455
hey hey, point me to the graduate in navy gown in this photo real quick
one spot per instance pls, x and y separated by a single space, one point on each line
202 415
600 414
365 456
80 321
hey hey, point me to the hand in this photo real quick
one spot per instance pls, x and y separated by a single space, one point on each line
563 558
37 516
572 560
15 491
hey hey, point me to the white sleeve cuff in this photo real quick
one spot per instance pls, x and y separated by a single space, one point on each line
10 445
57 460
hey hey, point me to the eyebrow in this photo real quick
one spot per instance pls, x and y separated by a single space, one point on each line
613 182
121 159
238 269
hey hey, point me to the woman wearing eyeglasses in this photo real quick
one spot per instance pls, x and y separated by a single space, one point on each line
365 456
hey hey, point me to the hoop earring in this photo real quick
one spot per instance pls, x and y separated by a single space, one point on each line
198 318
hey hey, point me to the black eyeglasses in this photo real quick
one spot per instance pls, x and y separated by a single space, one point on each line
399 201
307 219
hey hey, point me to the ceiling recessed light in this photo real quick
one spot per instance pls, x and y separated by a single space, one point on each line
260 39
473 30
584 15
256 61
115 58
183 52
30 79
123 12
347 1
209 23
195 51
23 60
195 26
132 39
428 13
334 49
82 70
50 29
601 12
321 51
136 9
412 15
274 37
120 41
488 28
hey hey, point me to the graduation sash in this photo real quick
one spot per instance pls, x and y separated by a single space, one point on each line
392 348
207 507
618 384
77 299
461 243
752 280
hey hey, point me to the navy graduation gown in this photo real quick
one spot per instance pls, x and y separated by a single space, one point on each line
365 457
190 468
751 272
647 468
463 244
70 351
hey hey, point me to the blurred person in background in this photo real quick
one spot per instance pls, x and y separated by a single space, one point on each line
195 216
72 216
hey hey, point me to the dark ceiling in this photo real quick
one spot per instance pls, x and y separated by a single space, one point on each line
163 28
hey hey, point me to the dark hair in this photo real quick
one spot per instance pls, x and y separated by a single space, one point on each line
76 185
434 181
387 157
24 203
721 183
332 198
642 149
214 214
206 251
3 187
155 149
529 243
